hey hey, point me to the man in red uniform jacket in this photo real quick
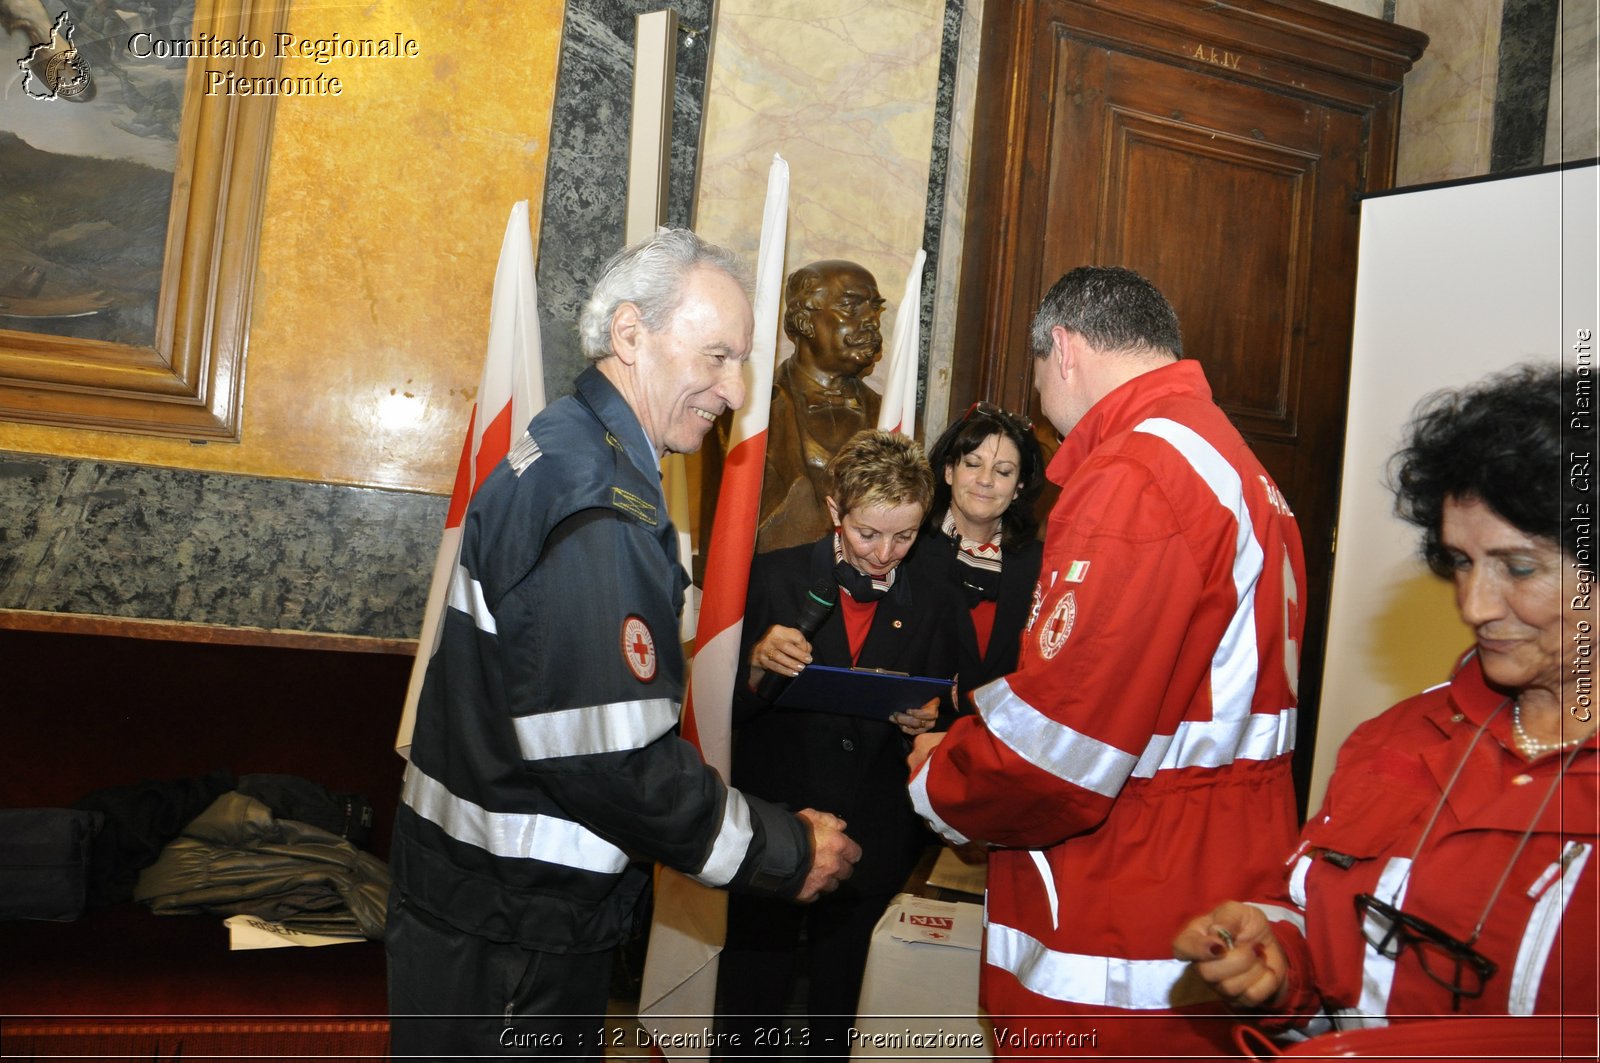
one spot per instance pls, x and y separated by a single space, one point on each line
1141 749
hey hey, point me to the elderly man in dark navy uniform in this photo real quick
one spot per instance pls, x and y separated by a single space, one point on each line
546 769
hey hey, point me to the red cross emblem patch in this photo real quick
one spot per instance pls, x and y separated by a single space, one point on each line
1059 625
639 649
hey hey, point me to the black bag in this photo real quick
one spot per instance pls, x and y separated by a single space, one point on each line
44 862
348 815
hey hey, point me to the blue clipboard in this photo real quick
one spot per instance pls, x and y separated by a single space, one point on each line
860 691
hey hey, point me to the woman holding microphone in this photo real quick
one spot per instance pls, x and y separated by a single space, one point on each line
890 614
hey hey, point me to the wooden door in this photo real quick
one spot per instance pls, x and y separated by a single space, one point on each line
1219 149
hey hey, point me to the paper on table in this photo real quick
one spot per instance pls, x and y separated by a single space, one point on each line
950 872
248 932
939 922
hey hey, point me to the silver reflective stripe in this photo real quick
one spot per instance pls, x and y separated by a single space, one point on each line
921 804
1539 937
1102 981
1218 743
525 453
1277 913
1315 1027
1355 1019
1234 664
1051 897
514 835
1377 971
1297 881
593 729
466 595
731 844
1050 746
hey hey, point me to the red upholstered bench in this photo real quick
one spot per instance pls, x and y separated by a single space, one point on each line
85 712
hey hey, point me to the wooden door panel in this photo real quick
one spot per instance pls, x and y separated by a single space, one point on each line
1186 205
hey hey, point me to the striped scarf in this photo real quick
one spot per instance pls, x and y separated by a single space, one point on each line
862 587
977 563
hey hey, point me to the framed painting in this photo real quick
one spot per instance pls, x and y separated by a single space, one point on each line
133 156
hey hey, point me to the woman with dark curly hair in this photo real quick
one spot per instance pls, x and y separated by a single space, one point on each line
1452 866
988 473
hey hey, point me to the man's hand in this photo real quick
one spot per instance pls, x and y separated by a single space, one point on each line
921 747
833 855
1234 949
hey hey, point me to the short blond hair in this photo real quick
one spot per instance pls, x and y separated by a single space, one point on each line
877 468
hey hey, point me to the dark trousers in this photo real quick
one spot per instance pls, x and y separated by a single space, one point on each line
757 972
453 995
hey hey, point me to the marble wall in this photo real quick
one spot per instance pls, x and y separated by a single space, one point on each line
947 202
586 183
149 543
1522 84
1573 129
844 91
1447 118
1483 82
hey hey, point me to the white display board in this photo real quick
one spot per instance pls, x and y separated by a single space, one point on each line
1454 282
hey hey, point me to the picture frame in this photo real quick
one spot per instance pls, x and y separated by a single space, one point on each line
189 382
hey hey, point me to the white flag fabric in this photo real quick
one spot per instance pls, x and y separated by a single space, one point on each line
899 410
675 486
680 975
510 392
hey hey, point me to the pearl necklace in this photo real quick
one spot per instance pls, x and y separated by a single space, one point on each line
1531 746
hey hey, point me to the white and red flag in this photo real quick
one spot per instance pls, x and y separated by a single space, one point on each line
899 410
509 394
690 924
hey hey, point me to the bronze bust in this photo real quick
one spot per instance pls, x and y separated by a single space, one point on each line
819 399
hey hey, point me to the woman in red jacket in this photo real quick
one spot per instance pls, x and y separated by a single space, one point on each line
1452 868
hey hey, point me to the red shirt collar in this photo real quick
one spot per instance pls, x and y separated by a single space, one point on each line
1125 406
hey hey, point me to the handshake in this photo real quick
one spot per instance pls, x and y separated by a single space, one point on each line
833 854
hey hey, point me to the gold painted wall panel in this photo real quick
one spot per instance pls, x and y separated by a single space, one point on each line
384 214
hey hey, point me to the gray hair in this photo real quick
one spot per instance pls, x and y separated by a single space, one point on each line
1115 309
649 274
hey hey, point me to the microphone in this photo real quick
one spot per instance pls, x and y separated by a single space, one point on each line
816 607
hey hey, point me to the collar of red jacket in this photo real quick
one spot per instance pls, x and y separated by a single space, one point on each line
1469 703
1124 407
1471 697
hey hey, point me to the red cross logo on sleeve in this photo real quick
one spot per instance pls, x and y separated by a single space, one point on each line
639 649
1059 625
